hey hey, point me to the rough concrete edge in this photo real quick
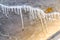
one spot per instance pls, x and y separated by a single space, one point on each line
54 35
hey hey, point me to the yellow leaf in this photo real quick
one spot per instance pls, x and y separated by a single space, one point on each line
48 10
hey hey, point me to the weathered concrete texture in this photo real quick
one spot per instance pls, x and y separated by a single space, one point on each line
12 24
31 2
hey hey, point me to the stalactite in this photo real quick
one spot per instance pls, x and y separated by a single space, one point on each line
21 19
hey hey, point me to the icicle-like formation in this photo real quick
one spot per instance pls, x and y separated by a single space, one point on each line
21 19
53 16
34 13
26 8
